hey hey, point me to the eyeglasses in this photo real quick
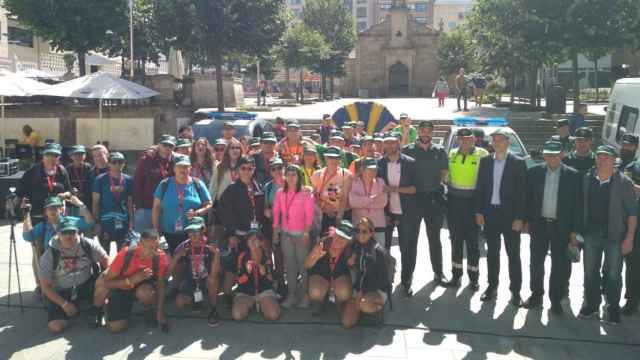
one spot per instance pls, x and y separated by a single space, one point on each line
246 168
364 231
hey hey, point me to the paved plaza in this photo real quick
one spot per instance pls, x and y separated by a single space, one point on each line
435 324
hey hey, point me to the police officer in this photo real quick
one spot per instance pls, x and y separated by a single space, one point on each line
582 158
628 150
632 261
464 163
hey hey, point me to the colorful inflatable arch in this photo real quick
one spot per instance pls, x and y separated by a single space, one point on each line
374 116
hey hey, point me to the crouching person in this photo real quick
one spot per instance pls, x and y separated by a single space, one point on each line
197 264
68 271
136 274
371 287
255 281
328 268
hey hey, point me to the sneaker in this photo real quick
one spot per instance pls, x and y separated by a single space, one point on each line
588 313
304 303
556 308
288 302
613 316
212 318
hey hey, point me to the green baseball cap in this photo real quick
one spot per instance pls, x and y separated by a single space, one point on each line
500 131
182 161
53 201
584 133
77 149
606 149
348 125
310 148
116 156
167 140
196 224
254 142
370 163
52 149
367 138
390 137
293 124
67 224
345 230
333 152
276 161
182 143
552 148
337 135
269 137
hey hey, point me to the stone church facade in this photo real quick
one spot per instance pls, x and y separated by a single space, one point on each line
395 58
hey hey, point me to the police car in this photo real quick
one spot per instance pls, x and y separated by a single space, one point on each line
245 123
488 126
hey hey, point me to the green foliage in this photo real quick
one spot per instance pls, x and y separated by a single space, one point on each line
455 51
301 47
334 21
71 25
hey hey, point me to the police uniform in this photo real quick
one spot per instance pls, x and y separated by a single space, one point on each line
632 261
463 176
581 163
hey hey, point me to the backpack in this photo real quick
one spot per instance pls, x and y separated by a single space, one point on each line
86 247
155 262
164 186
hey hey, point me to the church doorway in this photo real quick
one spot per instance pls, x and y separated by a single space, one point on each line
399 80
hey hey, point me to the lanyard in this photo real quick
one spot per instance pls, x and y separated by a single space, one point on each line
308 172
256 278
290 152
325 180
196 260
181 194
79 176
116 189
288 204
252 199
164 167
51 179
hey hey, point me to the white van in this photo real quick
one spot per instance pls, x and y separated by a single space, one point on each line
622 112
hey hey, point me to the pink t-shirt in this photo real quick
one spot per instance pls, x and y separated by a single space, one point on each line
292 211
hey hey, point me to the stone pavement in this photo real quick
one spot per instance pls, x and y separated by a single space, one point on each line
434 324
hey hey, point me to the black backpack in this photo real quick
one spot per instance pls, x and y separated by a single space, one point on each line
86 247
155 262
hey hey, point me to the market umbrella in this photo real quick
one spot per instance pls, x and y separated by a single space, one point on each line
38 74
12 84
100 86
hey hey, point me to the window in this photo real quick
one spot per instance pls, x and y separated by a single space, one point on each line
386 4
452 25
421 7
361 12
627 122
362 26
460 15
361 1
20 37
348 4
421 19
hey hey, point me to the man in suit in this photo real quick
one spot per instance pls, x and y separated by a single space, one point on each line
399 173
553 195
500 206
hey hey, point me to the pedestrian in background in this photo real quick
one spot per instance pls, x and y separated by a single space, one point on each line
441 91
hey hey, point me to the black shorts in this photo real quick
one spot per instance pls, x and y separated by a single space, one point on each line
173 240
121 303
83 292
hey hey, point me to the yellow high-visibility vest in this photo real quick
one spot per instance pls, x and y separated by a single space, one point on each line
463 170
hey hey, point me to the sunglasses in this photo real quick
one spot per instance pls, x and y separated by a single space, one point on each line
69 232
246 168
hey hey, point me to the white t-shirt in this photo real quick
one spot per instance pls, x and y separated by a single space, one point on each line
393 171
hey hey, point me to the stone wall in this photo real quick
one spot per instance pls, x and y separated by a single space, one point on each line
203 91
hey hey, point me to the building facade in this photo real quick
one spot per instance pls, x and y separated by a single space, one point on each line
450 14
394 58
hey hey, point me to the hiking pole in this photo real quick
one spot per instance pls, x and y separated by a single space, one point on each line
11 205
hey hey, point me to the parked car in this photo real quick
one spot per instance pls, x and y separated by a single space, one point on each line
489 126
245 123
622 112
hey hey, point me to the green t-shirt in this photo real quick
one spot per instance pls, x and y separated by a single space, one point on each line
413 134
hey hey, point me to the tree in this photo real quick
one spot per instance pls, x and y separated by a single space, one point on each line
70 25
455 51
334 21
302 47
215 29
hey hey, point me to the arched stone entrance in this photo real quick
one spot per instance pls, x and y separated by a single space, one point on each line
399 80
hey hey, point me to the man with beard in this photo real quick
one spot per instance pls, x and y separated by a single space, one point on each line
628 150
582 158
432 166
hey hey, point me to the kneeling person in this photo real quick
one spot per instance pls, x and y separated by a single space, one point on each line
328 268
198 265
67 273
137 273
255 281
372 286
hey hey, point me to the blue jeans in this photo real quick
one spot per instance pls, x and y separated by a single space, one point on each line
595 244
142 220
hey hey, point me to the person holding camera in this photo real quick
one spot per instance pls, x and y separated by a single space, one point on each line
331 188
137 274
197 264
40 235
113 203
68 272
44 179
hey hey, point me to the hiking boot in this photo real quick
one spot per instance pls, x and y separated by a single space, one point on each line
212 319
455 282
533 302
489 294
556 308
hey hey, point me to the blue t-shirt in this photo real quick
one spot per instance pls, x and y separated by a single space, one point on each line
37 232
169 203
114 215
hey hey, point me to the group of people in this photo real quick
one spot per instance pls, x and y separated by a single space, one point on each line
299 221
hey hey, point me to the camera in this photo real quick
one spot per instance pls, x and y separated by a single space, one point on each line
12 203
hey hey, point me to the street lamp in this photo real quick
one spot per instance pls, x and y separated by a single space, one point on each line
131 38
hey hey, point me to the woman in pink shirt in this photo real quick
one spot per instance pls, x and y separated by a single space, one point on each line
368 199
292 219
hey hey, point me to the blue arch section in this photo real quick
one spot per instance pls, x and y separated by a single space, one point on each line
367 112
